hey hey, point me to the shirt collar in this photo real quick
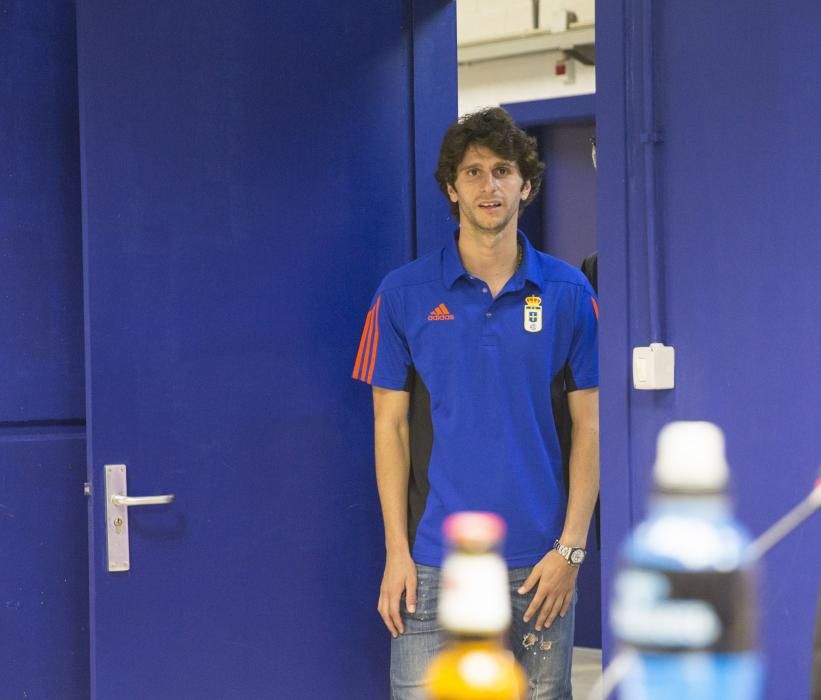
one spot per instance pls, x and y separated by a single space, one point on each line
530 269
452 267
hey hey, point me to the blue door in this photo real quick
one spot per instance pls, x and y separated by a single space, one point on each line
248 175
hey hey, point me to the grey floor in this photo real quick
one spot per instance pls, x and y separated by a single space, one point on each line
586 672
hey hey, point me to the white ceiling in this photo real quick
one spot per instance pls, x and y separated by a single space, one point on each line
485 19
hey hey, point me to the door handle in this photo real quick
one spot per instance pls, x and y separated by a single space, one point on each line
117 503
126 501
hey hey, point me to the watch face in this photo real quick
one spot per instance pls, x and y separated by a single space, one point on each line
577 556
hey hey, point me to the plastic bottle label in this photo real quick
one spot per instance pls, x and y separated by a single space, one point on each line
474 595
677 611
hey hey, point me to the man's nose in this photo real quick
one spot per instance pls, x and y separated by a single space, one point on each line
488 183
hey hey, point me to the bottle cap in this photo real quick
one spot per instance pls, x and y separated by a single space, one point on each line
690 457
474 528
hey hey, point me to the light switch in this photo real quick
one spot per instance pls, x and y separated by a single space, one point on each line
654 367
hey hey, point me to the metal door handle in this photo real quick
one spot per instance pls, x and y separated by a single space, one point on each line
118 500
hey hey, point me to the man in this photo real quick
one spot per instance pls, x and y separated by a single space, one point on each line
489 325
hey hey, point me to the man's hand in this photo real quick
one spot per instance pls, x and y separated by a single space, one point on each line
556 581
399 577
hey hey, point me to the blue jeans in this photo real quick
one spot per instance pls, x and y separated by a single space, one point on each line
546 656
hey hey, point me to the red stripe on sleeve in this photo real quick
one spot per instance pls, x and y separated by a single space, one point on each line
357 367
366 358
375 339
595 307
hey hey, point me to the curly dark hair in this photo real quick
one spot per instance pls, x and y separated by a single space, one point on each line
495 129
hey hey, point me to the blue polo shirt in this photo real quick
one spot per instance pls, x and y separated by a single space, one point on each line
488 365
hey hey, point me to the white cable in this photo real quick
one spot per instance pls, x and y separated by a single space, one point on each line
786 525
611 677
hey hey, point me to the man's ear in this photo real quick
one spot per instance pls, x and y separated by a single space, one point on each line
453 194
526 187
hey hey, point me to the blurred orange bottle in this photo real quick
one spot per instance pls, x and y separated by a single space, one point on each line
474 609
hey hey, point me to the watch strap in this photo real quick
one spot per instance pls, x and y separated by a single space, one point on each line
566 551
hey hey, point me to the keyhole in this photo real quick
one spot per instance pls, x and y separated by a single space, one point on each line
118 525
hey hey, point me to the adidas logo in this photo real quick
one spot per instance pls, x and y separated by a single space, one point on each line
440 313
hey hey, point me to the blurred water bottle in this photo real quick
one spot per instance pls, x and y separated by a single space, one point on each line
474 610
685 596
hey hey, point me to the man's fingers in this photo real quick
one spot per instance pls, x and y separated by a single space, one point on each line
531 610
410 596
530 581
567 600
554 612
557 610
536 603
398 579
393 611
388 608
382 607
549 612
544 611
553 594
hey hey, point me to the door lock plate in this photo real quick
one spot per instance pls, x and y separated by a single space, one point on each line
116 518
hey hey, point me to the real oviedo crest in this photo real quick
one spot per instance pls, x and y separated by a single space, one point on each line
533 314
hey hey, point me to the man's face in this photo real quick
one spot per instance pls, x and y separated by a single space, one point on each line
488 190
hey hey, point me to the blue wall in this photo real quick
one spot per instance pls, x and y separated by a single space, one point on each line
569 188
737 181
43 577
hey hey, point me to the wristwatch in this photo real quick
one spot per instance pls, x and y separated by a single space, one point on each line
572 555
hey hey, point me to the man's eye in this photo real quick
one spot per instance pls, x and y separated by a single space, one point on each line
502 171
473 172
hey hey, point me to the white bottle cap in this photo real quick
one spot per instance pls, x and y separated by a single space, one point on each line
690 457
